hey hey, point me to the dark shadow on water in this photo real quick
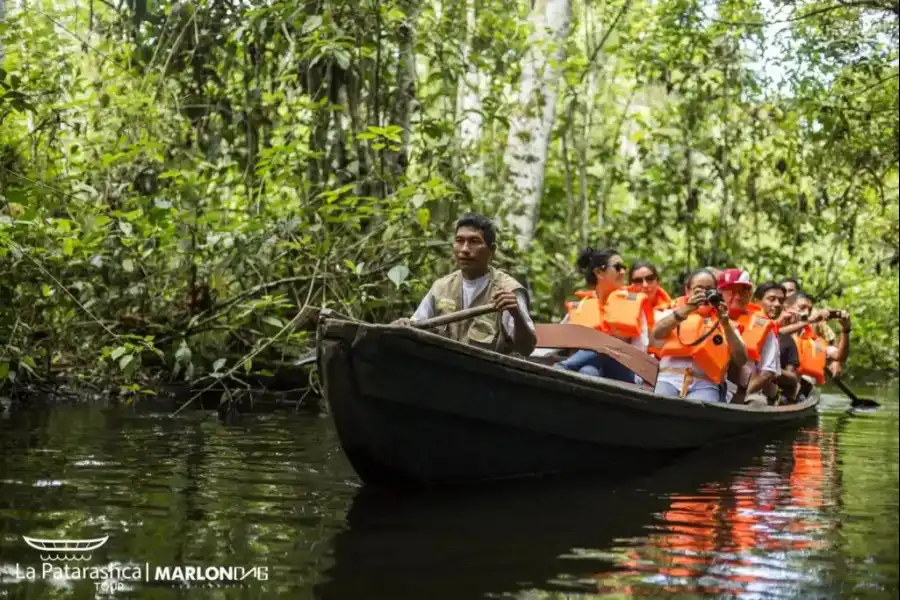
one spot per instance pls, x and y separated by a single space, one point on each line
511 537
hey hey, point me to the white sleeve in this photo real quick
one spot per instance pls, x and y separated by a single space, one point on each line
770 356
832 352
509 324
425 310
642 341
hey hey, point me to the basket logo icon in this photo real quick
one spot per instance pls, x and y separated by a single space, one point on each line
65 549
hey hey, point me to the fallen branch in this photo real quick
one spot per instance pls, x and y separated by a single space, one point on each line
302 313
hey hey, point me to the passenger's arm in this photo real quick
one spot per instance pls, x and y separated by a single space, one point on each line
844 341
736 347
768 365
670 320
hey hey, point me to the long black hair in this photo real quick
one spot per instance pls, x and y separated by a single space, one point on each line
590 259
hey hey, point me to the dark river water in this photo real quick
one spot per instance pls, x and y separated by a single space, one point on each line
808 514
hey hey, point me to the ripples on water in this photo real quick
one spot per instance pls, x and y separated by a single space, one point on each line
809 514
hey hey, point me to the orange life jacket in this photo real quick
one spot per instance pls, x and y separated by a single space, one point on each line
811 349
755 328
660 302
620 315
712 355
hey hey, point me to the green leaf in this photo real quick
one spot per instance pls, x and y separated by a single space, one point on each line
128 265
126 360
311 24
115 354
398 274
274 321
4 370
68 246
46 290
219 364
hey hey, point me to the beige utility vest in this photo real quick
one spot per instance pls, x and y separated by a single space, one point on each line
485 331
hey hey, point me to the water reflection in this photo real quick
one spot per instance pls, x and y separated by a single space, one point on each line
561 536
740 534
810 513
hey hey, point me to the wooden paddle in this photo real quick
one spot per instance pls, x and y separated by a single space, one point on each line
461 315
579 337
855 402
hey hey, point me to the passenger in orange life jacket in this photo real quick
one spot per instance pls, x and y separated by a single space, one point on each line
771 297
697 343
644 278
758 332
802 322
606 309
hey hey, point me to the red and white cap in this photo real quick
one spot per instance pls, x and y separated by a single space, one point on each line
732 277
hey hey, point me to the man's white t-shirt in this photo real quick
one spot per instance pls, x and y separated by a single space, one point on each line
470 289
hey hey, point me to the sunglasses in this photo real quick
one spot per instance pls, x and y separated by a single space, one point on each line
619 267
642 280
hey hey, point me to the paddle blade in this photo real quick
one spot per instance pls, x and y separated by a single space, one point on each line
864 403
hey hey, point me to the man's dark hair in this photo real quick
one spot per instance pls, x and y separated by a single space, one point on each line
763 288
791 280
797 297
481 223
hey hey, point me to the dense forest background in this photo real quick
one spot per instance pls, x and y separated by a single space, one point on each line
181 182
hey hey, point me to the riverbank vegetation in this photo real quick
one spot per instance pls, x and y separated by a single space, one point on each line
180 183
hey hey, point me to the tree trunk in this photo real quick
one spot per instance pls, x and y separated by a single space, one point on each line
529 133
469 94
405 94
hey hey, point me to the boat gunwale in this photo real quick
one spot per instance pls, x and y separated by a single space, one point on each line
597 388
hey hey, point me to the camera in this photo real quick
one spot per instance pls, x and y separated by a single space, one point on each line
713 298
835 314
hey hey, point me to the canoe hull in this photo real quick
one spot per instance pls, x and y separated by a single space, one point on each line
412 408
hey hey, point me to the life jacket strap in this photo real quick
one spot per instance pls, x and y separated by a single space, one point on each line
685 382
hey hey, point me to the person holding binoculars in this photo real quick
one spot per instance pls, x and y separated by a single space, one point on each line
697 341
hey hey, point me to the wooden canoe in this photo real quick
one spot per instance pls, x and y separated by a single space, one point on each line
413 408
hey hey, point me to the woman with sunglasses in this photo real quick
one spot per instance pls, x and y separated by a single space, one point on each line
697 342
609 307
644 278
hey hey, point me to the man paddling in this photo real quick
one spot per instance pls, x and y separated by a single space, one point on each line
476 283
